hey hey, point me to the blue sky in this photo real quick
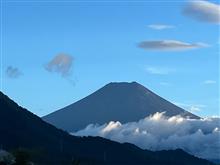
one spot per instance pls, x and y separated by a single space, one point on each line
103 39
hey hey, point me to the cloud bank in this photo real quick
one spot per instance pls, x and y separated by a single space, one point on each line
160 26
169 45
203 11
13 72
61 63
199 137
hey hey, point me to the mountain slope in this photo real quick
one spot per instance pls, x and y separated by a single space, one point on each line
21 129
124 102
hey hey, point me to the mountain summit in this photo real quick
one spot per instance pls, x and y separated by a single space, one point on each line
124 102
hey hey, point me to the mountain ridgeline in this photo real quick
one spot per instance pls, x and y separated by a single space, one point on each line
124 102
20 128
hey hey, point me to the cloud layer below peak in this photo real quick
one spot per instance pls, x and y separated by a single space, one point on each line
199 137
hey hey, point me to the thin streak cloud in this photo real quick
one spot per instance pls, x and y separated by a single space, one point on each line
209 82
160 26
159 70
169 45
193 108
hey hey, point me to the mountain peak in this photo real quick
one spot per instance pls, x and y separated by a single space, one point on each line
120 83
133 83
128 86
116 101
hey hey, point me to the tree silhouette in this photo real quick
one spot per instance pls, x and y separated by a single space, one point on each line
75 162
22 157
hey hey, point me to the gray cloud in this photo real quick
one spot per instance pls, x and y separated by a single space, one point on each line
203 11
61 63
13 72
169 45
160 26
199 137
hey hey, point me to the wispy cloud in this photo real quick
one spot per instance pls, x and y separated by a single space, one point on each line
203 11
13 72
194 108
169 45
158 70
61 64
165 84
160 26
209 82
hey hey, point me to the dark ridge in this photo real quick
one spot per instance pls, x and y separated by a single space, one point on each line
50 146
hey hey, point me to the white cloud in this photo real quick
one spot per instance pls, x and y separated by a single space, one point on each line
203 11
209 82
158 70
160 26
169 45
13 72
199 137
61 63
